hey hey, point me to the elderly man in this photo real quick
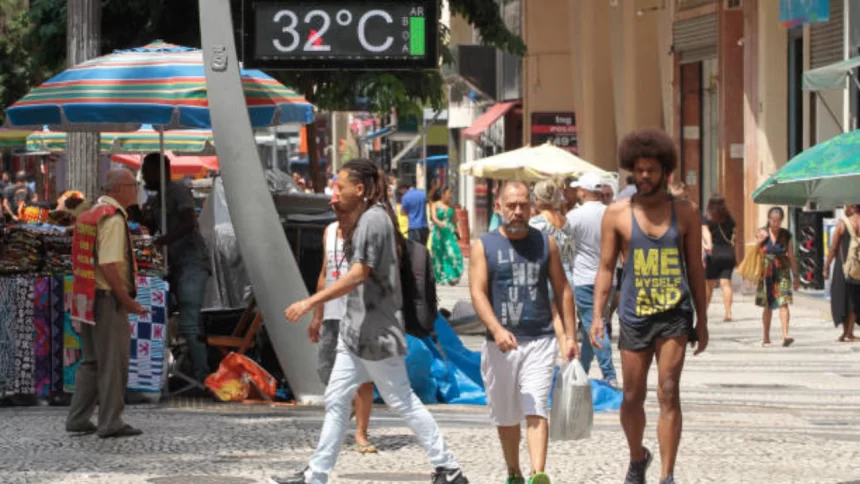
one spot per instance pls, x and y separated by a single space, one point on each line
104 292
507 273
187 254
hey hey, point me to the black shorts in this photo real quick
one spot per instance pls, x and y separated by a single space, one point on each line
672 324
719 268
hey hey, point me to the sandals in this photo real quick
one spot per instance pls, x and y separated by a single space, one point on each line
767 344
787 342
365 449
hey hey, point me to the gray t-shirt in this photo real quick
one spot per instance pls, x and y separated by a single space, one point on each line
586 222
373 325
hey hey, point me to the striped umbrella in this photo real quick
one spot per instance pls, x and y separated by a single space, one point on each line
160 84
145 140
12 138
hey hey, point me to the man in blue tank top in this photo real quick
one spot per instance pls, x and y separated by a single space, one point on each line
508 269
663 282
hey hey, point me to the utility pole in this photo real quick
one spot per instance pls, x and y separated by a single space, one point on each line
83 37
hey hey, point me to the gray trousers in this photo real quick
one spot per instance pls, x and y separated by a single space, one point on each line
103 375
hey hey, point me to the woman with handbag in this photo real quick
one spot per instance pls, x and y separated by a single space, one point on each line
718 237
775 288
845 291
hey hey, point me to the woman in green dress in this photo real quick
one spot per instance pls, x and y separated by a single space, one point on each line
445 249
775 289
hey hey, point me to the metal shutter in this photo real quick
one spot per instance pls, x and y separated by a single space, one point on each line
695 39
827 39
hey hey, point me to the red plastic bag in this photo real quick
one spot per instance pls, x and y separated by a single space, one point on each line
233 380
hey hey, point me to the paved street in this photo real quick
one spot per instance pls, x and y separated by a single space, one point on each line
752 414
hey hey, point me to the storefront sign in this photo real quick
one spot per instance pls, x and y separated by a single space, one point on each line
349 34
557 128
793 13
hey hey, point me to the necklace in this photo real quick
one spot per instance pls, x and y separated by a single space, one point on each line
338 261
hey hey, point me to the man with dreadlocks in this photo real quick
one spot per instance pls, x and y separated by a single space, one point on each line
372 345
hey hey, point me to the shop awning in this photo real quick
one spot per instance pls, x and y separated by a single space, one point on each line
831 76
487 119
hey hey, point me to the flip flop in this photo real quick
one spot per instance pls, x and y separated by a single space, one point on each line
766 345
787 342
366 449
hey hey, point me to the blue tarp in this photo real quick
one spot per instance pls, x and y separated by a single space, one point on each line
446 371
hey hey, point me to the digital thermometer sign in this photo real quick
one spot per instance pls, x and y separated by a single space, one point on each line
341 35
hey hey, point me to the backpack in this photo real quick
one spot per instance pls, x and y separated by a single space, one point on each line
418 286
851 262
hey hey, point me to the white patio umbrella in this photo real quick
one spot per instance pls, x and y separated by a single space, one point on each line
531 164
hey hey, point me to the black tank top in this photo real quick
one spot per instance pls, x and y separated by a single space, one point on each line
654 281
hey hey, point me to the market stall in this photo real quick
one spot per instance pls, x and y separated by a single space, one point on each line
40 347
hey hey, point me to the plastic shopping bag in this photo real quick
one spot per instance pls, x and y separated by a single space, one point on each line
237 379
572 414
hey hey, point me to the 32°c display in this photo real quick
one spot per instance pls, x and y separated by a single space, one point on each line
341 35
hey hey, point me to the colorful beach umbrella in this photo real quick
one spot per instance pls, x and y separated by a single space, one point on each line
12 138
145 140
827 174
160 84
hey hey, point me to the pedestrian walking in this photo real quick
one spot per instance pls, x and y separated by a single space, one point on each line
586 226
414 205
507 268
774 290
661 238
104 295
325 327
718 243
372 344
445 247
844 290
551 221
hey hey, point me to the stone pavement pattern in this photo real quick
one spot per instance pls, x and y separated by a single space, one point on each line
752 415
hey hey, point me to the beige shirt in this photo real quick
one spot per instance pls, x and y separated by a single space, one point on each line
111 245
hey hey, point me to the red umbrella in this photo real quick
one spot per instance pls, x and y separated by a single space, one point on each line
179 165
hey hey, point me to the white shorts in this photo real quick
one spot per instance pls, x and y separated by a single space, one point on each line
518 382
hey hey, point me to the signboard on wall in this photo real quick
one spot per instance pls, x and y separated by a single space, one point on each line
344 34
557 128
793 13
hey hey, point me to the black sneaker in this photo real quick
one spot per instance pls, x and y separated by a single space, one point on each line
297 478
448 476
636 471
668 480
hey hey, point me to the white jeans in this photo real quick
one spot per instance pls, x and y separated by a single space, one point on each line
390 377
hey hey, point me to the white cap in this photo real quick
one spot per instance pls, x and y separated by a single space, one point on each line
590 182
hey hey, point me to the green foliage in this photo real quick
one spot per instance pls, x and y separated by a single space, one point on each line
18 68
131 23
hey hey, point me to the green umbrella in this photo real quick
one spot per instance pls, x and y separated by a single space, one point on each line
10 138
145 140
827 174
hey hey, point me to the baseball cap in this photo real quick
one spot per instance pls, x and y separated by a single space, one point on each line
590 182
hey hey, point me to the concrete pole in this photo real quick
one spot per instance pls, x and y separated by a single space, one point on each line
83 36
267 256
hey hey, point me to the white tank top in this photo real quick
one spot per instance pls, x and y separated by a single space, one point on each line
336 267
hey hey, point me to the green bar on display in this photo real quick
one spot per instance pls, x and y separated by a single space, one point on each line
416 36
